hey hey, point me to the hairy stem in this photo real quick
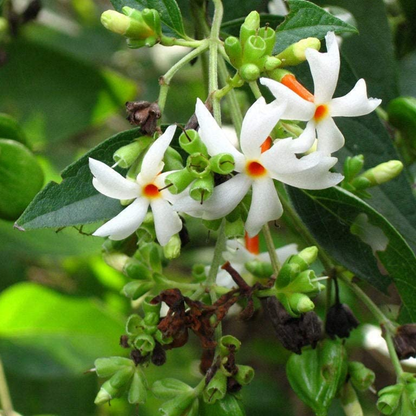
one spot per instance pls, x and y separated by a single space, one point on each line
5 399
271 249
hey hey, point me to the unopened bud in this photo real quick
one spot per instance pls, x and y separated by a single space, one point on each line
136 289
295 54
352 167
135 269
309 254
168 388
179 180
271 63
179 405
259 269
172 249
202 189
300 303
106 367
121 377
107 393
126 155
138 388
152 19
287 274
250 72
250 26
116 260
234 51
362 378
383 172
172 159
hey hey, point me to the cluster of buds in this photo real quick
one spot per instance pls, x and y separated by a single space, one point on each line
378 175
400 398
125 377
252 53
296 282
141 28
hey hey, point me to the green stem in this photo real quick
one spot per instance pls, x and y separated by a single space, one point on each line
165 80
217 259
5 399
271 249
393 354
255 89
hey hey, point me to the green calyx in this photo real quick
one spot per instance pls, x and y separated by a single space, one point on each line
361 377
202 189
216 388
178 181
259 269
222 163
172 249
228 344
127 155
191 142
136 289
295 53
180 404
198 165
250 26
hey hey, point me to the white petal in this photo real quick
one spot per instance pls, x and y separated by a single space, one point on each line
110 183
305 141
236 253
265 206
258 122
153 160
125 223
296 107
325 69
167 221
283 253
355 103
330 138
214 138
223 200
317 176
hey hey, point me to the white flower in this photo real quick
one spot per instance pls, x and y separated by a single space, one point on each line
256 169
144 191
321 107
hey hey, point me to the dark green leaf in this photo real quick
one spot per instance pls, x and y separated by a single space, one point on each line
371 53
351 230
75 201
305 20
61 335
169 11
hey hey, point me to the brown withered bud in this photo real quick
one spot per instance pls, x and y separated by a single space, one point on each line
124 341
137 357
143 114
158 355
294 333
405 341
31 12
340 321
233 386
192 123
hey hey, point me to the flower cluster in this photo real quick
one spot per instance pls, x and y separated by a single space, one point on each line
256 167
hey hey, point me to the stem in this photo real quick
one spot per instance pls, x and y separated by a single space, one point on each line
271 249
255 89
217 258
393 354
165 79
5 399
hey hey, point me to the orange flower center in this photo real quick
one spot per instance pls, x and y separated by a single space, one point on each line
151 191
321 112
255 169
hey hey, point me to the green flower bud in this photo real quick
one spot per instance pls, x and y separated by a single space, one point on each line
151 254
234 51
228 406
198 165
269 36
121 377
254 49
216 388
179 180
135 290
250 72
361 183
135 269
362 378
138 391
271 63
152 19
222 163
382 173
151 307
161 339
309 255
202 189
198 272
300 303
168 388
172 159
178 405
144 343
295 54
106 367
126 155
190 141
107 392
389 399
134 325
259 268
352 167
116 260
250 26
244 375
234 229
228 344
172 249
151 318
287 274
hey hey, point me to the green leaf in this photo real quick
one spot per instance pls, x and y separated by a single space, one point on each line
305 20
169 11
21 178
371 53
357 236
47 334
75 201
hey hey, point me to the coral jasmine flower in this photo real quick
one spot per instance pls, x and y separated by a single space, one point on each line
145 191
255 169
318 109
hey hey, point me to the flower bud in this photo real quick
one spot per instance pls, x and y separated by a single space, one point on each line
250 26
340 321
134 325
254 49
228 406
172 160
216 388
198 272
136 289
178 181
269 36
121 377
202 189
152 19
126 155
389 399
287 274
361 183
405 341
361 377
178 405
382 173
135 269
300 303
138 388
144 114
168 388
259 269
309 255
172 249
295 53
244 375
229 344
271 63
190 141
352 167
198 165
106 367
107 392
250 72
234 51
144 343
116 260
